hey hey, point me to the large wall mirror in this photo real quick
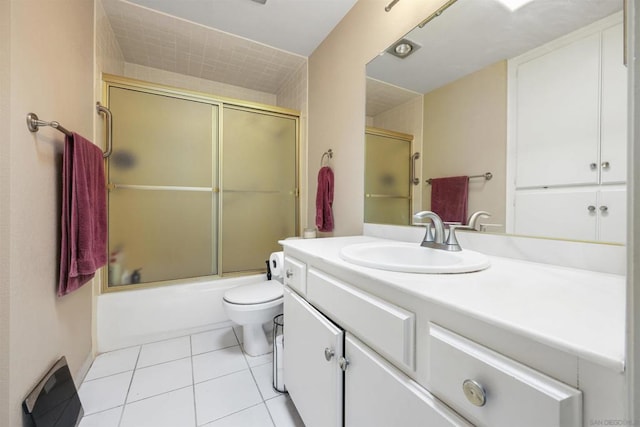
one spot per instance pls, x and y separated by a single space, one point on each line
529 102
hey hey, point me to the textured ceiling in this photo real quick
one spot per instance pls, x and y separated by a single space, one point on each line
158 40
296 26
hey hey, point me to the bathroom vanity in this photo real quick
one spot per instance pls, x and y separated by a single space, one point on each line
516 344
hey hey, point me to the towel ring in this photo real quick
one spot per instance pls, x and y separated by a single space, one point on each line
328 154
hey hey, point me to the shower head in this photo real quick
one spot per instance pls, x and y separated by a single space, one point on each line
260 1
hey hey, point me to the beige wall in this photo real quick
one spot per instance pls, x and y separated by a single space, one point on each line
465 133
51 74
337 99
294 95
5 42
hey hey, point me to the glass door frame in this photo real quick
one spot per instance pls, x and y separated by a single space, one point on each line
110 81
276 112
400 137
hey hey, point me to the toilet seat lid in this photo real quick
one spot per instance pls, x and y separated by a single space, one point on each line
257 293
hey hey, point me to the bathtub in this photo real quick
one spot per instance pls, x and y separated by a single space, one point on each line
124 319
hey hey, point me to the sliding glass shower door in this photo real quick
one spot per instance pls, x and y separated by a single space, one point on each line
197 187
387 177
163 187
258 186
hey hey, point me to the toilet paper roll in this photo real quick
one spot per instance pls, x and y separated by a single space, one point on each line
276 262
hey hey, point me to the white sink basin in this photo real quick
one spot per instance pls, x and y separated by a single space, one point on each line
413 258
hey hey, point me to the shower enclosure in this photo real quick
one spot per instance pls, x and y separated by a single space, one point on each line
198 186
387 177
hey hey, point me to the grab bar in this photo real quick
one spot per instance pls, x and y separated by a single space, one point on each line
102 109
414 180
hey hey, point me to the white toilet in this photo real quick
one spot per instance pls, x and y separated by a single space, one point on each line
251 306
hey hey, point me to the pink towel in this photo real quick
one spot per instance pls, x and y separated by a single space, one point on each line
449 197
83 244
324 200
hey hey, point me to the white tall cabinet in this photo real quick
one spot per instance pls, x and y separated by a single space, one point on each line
568 130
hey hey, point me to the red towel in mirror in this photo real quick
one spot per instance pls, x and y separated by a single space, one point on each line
449 198
324 200
83 244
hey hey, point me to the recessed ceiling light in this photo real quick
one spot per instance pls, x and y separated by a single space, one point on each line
513 4
403 48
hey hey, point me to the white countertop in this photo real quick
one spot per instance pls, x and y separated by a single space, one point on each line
577 311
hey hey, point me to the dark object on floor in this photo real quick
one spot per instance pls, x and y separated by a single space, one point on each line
54 401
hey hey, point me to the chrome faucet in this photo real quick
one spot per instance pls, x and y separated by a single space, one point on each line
475 217
436 239
452 241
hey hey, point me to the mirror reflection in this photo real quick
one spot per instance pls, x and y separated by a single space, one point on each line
535 96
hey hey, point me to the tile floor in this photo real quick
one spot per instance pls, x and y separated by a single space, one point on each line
200 380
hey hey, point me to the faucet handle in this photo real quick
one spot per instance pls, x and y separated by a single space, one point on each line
438 234
428 235
475 217
452 240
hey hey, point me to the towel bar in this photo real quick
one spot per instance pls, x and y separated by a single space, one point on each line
34 123
487 176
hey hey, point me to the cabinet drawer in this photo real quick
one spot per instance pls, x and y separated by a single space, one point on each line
490 389
295 274
383 326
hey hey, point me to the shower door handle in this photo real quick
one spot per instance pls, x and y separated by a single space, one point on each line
414 179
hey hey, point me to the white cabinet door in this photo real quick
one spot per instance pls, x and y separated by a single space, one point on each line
313 378
558 109
562 214
377 394
612 212
613 158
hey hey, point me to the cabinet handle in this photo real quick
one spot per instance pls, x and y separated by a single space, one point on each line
605 165
289 273
604 208
591 208
474 392
343 363
593 166
328 353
